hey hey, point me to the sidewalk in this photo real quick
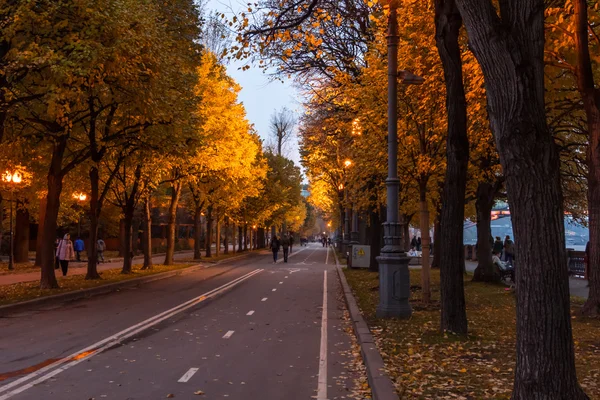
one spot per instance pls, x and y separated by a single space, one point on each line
80 268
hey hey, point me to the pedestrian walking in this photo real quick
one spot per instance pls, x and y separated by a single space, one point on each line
100 246
498 246
324 241
285 245
79 246
419 243
328 242
65 253
509 250
291 243
413 242
275 248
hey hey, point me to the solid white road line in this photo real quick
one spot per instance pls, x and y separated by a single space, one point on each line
322 383
57 367
188 375
264 299
228 334
250 312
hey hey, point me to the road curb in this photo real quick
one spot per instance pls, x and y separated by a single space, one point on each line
108 288
381 385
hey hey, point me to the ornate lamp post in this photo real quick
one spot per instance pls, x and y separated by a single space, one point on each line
12 179
394 279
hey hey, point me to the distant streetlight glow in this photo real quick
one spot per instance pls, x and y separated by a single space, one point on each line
12 179
80 196
347 163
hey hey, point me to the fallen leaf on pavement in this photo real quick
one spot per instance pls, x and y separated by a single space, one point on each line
199 392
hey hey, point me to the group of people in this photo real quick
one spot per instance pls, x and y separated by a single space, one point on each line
415 244
506 249
66 250
286 243
326 241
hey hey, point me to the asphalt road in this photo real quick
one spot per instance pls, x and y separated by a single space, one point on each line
248 329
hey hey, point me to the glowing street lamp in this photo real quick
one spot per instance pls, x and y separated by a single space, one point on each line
80 197
12 179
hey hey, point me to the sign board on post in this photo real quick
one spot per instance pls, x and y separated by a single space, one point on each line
361 256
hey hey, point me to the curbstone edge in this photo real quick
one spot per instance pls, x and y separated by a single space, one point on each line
381 385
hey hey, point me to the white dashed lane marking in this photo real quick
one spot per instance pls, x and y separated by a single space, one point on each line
250 312
228 335
188 375
264 299
274 290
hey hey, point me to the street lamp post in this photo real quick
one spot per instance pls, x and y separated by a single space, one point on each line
394 279
12 179
81 197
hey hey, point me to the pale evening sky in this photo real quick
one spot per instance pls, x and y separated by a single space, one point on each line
260 95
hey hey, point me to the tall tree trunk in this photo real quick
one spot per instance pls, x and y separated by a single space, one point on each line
484 202
226 239
95 209
209 229
510 51
240 239
405 218
436 243
261 238
55 178
147 239
245 237
21 233
218 234
40 232
425 267
127 244
591 102
135 234
122 237
197 233
175 194
375 224
449 245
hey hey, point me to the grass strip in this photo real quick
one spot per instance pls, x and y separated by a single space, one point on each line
425 363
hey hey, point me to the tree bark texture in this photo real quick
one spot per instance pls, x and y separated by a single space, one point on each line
218 235
591 102
127 244
261 238
510 50
40 233
240 238
147 236
54 179
484 202
175 194
425 267
21 233
450 240
197 233
209 229
375 232
95 209
226 237
435 263
245 237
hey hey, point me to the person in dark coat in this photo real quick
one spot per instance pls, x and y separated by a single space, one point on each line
275 248
509 250
291 242
498 246
285 245
419 243
413 242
